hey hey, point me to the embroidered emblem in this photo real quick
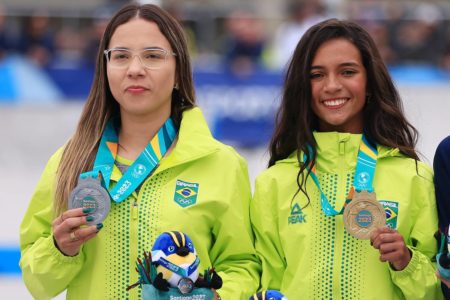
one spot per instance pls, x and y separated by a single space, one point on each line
138 170
391 209
296 216
185 193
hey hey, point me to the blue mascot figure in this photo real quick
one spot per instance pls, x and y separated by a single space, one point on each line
268 295
171 270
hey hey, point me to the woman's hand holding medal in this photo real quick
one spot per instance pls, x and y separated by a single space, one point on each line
70 230
392 247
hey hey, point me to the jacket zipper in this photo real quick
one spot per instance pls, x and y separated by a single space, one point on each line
134 212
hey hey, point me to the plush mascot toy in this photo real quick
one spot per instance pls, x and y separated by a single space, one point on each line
175 257
268 295
171 270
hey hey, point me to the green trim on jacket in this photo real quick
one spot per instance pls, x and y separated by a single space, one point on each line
308 255
216 218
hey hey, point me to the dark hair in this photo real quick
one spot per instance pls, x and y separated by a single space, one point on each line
384 118
80 151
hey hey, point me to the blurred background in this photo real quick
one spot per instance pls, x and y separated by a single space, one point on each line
239 51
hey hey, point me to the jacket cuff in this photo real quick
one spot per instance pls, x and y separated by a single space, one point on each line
59 256
410 268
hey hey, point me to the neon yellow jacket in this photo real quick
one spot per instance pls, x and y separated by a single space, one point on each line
308 255
215 216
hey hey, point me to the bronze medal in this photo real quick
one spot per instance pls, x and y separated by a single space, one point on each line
363 215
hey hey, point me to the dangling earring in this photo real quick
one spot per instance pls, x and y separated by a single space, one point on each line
176 96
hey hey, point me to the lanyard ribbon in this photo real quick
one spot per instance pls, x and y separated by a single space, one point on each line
147 161
364 174
179 270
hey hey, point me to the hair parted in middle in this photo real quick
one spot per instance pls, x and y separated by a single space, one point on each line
79 153
384 119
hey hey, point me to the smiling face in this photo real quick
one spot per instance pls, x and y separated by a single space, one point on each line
338 85
138 90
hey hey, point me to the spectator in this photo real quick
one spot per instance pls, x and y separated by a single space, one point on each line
441 165
94 35
6 42
418 38
36 41
245 44
302 15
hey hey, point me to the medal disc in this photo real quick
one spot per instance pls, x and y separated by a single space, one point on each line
363 215
185 285
90 194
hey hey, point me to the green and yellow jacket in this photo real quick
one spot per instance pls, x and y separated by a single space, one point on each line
215 216
308 255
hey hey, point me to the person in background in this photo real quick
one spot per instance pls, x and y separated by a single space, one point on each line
301 16
37 39
94 36
142 141
245 44
441 165
7 37
341 136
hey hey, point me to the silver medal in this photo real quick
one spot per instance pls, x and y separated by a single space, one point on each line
185 285
89 193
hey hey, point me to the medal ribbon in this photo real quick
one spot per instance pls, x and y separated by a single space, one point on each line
178 270
364 174
144 165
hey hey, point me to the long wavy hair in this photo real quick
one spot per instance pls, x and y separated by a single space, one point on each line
384 119
80 151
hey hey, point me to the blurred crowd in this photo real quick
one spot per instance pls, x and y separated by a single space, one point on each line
243 42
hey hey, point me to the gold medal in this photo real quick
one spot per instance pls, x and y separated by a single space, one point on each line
363 215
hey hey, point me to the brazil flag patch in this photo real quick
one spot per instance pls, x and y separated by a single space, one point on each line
185 193
392 209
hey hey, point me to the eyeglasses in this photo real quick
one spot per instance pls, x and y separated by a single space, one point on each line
151 58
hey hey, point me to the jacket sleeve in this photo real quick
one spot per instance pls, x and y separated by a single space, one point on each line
418 280
264 218
45 270
233 254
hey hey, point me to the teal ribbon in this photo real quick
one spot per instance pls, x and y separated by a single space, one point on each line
178 270
364 174
144 165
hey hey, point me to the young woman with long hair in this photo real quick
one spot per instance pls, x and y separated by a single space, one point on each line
144 149
346 210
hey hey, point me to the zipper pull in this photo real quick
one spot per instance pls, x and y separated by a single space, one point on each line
135 210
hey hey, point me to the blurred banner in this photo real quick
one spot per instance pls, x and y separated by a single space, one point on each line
241 110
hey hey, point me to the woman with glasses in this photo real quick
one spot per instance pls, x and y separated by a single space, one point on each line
141 162
346 210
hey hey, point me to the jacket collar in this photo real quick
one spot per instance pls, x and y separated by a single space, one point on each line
325 140
194 141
